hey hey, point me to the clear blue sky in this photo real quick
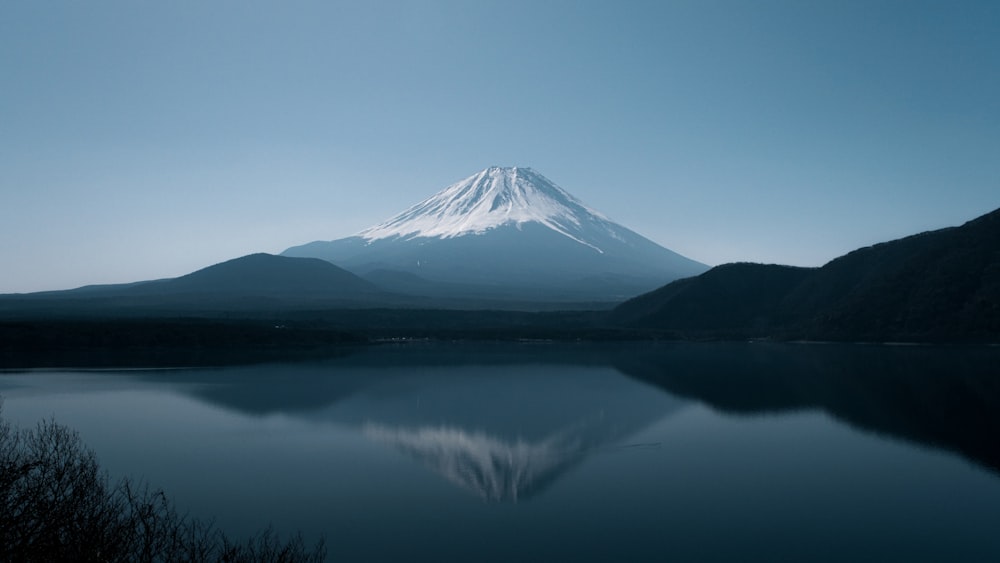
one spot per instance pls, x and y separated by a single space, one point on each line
143 139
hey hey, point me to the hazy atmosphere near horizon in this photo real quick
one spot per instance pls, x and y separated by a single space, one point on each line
144 140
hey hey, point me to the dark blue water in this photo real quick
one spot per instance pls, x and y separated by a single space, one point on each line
701 452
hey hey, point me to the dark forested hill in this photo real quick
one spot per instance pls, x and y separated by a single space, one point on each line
254 282
726 298
265 274
938 285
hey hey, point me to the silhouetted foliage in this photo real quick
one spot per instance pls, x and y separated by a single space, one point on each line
57 505
156 342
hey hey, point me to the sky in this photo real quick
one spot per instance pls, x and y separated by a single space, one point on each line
142 140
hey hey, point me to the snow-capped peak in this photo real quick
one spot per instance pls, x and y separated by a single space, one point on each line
491 198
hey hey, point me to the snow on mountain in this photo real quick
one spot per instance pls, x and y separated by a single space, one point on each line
505 233
492 198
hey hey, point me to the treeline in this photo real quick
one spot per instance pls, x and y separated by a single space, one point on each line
111 342
172 341
56 504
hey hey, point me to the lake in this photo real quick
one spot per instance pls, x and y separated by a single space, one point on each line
577 452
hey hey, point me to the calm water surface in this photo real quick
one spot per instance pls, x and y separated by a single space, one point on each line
465 452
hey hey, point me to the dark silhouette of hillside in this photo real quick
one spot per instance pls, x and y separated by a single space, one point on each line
938 285
265 274
256 281
259 282
731 297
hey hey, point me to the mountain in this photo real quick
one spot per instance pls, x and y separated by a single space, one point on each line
730 297
505 233
940 282
256 281
265 275
937 285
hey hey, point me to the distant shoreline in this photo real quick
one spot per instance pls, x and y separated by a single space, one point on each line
158 342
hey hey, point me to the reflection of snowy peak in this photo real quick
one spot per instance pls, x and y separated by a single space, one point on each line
494 469
492 198
505 433
505 233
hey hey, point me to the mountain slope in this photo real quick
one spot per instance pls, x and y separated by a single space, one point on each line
508 232
727 297
257 281
265 275
939 282
938 285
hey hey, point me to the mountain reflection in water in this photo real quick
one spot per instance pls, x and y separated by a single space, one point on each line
505 430
524 415
765 452
508 436
494 469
